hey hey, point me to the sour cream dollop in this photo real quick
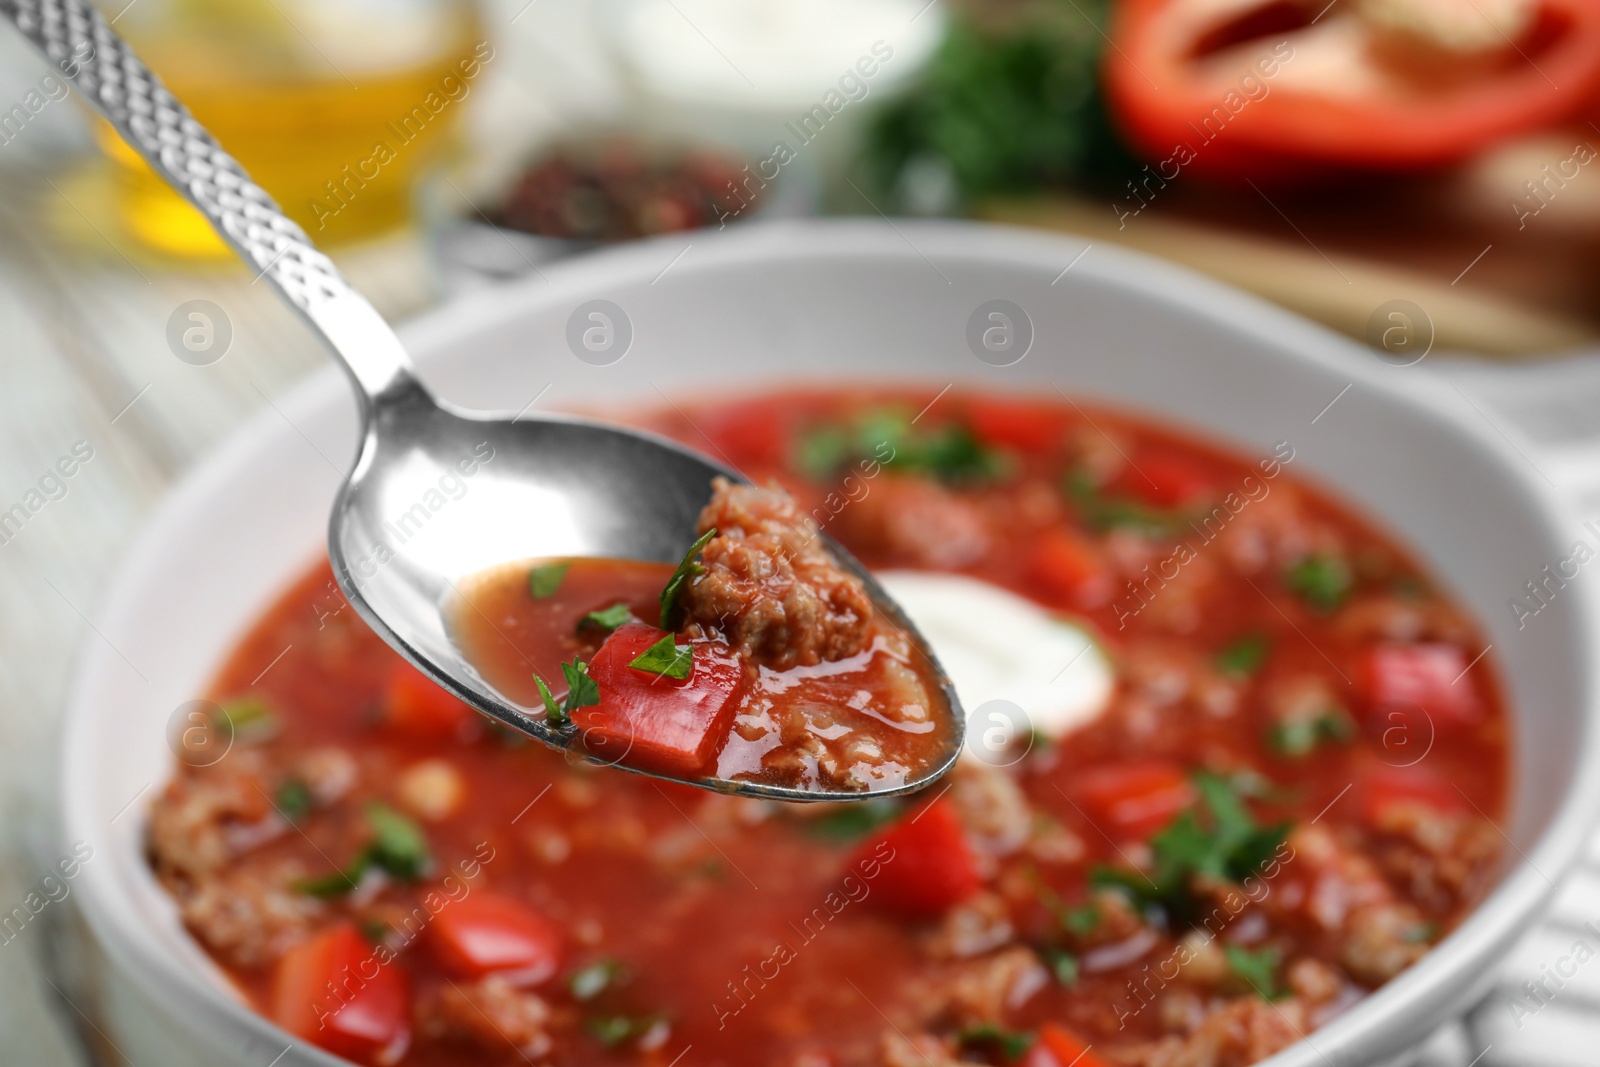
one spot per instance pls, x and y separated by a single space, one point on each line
996 645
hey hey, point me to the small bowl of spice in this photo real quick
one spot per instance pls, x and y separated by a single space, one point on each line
579 195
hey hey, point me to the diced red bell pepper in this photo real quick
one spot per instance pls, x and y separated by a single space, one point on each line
415 705
1135 799
1059 1047
1389 787
1164 481
1064 570
666 724
486 933
1025 425
1431 676
924 863
333 991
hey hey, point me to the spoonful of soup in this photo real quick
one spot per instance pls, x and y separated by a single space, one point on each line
600 589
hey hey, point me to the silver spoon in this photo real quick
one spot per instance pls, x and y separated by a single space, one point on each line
557 485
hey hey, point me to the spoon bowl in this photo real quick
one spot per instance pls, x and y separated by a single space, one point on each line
436 494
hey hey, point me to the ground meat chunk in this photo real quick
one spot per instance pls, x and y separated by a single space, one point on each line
992 806
196 826
975 926
978 991
1237 1033
491 1012
248 916
769 587
912 522
916 1050
1442 858
1381 940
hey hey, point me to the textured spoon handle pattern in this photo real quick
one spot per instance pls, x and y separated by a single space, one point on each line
76 40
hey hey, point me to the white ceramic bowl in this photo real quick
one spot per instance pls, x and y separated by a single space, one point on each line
823 303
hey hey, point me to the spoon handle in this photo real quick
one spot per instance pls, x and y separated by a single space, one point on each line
76 40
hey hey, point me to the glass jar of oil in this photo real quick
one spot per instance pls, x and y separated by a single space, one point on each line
333 106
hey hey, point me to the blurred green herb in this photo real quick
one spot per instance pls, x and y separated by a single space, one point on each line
1012 1044
949 452
608 619
248 719
1000 110
590 981
853 820
1322 581
546 578
1300 737
1105 512
1064 965
1228 845
397 847
294 799
1244 657
1258 970
613 1030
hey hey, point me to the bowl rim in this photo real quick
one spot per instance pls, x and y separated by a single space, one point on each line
1355 1036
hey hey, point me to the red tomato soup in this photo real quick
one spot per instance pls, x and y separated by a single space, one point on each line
1288 798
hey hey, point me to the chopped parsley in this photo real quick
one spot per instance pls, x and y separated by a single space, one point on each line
1244 657
949 453
247 719
582 692
1228 844
613 1030
590 981
294 799
1104 512
397 847
1322 581
608 619
1300 737
689 567
546 578
1082 919
854 819
1258 970
1064 965
666 658
1012 1044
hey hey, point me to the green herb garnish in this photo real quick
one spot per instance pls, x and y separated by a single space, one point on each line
949 453
608 619
1104 512
294 799
853 820
1244 657
248 719
666 658
613 1030
397 847
554 714
546 578
582 692
1064 965
589 982
1082 919
1321 581
1259 969
1004 106
1012 1044
1227 845
1300 737
689 567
